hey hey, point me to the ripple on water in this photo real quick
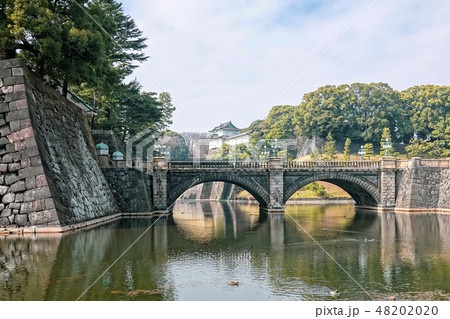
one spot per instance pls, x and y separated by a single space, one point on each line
272 258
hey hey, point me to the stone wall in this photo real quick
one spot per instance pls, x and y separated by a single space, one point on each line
444 190
49 171
131 189
420 187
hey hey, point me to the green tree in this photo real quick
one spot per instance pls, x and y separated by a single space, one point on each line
223 153
427 149
91 45
329 149
126 110
316 155
386 136
320 112
57 39
369 151
358 111
428 106
378 106
279 113
346 154
8 43
131 111
279 124
60 40
256 125
281 130
438 145
125 45
239 152
318 189
166 110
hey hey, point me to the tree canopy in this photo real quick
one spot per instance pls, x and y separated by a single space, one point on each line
74 42
358 111
366 114
88 47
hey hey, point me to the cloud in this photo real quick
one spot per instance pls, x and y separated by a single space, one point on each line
230 60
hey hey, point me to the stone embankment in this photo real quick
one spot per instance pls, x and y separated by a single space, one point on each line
422 187
444 190
131 189
49 171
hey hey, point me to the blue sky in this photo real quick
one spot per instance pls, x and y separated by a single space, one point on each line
232 60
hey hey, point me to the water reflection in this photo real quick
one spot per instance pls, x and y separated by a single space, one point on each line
194 253
204 221
26 266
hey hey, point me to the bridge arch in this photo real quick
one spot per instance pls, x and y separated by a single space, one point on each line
255 189
363 193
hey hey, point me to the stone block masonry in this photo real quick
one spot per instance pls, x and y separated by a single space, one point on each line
423 187
131 189
444 190
49 173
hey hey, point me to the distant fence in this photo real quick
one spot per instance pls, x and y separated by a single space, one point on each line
353 164
217 164
265 164
191 164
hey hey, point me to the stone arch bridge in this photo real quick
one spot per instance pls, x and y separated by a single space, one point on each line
272 183
417 184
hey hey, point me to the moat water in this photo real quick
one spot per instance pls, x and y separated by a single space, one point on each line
194 254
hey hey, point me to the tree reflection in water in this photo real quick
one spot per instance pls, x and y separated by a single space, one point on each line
193 254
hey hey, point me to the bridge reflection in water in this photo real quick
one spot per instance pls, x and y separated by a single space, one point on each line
193 253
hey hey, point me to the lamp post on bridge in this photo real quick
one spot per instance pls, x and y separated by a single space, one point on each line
275 147
265 153
362 152
387 145
160 151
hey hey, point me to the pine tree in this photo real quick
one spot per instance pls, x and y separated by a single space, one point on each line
72 42
127 43
329 149
223 153
427 149
369 151
8 45
57 39
386 136
347 149
316 155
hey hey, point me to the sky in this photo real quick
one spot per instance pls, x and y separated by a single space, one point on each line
234 60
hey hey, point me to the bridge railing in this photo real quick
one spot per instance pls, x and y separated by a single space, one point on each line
350 164
306 164
262 164
216 164
435 162
423 162
402 163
